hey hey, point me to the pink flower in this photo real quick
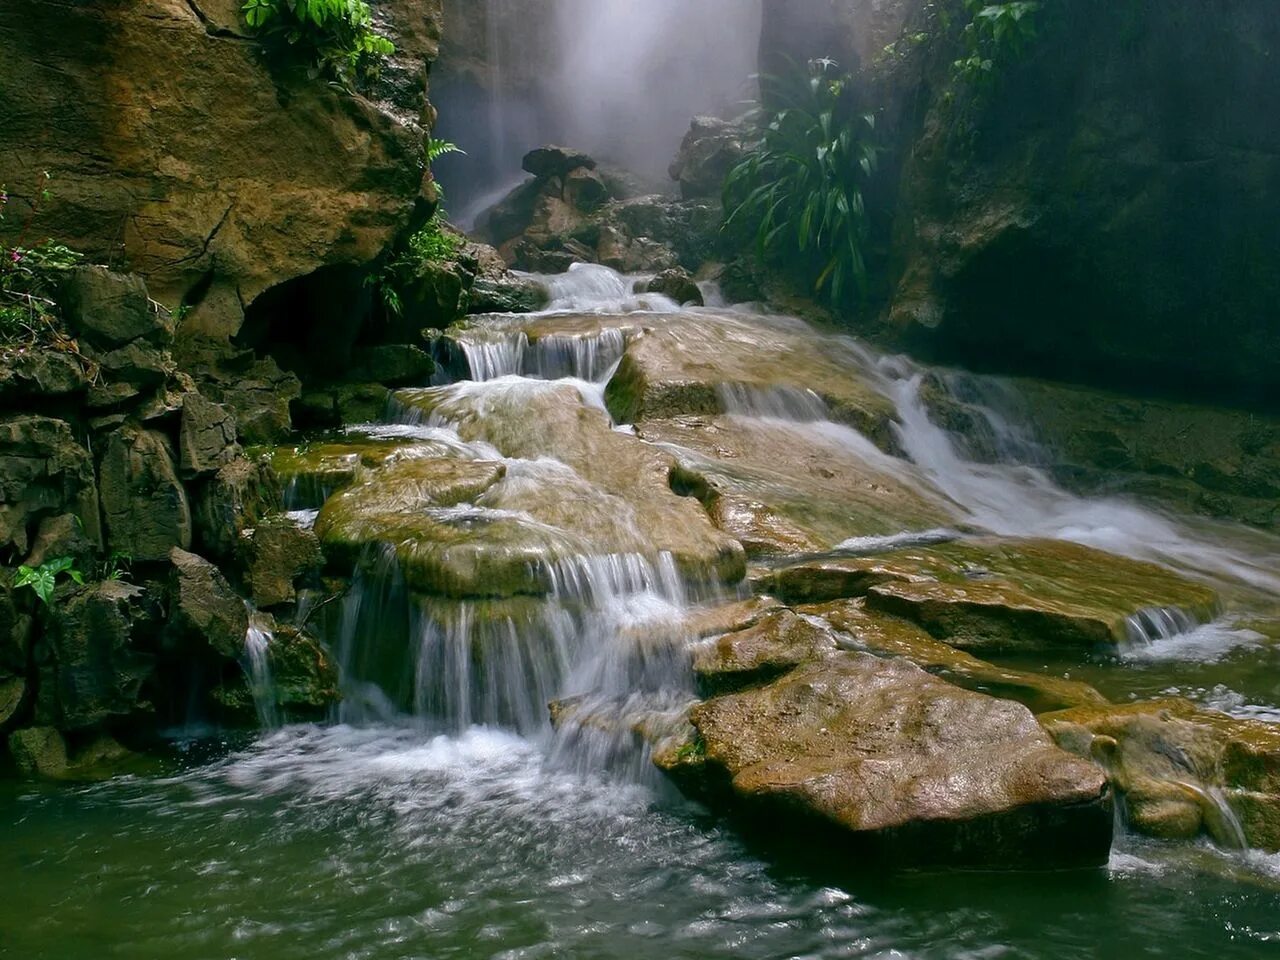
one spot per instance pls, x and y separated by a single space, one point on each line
15 256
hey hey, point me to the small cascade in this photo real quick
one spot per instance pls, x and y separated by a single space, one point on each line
1155 624
495 354
1220 820
590 358
774 402
257 668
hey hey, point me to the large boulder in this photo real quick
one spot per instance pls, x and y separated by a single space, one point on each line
895 762
207 437
205 614
553 161
40 374
233 500
93 655
143 501
44 471
708 152
274 554
112 309
215 168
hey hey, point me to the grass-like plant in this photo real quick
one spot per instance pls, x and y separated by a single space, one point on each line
800 191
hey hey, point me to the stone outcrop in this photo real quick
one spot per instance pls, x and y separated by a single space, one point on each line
178 146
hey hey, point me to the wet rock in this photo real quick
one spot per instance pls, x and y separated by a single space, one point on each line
207 437
39 751
39 374
313 472
15 629
1183 770
112 309
13 691
1003 595
361 402
901 764
43 471
306 677
553 161
584 189
233 500
776 645
143 502
137 364
883 635
274 554
678 285
394 364
260 401
508 294
92 662
792 488
710 149
615 495
62 535
204 612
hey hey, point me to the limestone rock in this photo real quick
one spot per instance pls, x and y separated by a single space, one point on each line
678 285
395 365
39 751
138 364
112 309
13 691
904 765
39 373
584 189
233 500
43 471
204 612
143 502
274 554
59 536
552 161
761 653
710 149
207 437
93 666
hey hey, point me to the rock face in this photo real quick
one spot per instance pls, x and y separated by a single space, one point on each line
1094 214
42 471
145 505
887 756
173 140
708 152
205 610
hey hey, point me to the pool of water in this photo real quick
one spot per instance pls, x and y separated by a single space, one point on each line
339 842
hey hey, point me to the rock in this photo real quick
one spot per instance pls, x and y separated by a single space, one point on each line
182 164
313 472
509 294
678 285
274 554
710 149
552 161
93 667
204 612
584 189
615 495
237 497
39 374
361 402
259 399
13 691
395 365
44 471
777 644
1003 595
112 309
784 489
883 635
15 629
902 765
137 364
61 536
1177 765
39 751
306 677
143 502
207 437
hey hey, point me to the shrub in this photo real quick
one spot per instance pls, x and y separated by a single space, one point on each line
336 35
800 191
997 34
28 274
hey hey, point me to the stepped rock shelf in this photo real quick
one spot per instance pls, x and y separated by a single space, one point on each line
693 536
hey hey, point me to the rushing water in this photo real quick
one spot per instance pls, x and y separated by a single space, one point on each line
442 818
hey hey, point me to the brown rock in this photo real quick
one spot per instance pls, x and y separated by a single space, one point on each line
204 611
207 437
43 471
143 502
274 553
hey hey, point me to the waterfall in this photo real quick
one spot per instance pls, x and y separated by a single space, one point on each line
257 668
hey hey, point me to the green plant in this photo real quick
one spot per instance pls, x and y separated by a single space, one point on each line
118 566
336 35
43 579
800 191
432 243
29 274
996 34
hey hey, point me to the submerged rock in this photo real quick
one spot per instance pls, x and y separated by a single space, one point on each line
1003 595
901 764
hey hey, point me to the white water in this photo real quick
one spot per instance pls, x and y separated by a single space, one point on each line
257 667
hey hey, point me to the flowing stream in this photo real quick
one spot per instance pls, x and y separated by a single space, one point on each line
441 817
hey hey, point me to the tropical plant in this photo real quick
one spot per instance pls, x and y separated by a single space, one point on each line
800 191
43 579
29 274
996 34
336 35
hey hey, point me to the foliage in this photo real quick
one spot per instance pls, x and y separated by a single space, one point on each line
44 578
336 35
996 34
28 275
800 191
433 243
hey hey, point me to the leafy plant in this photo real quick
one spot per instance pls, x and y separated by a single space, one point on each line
43 579
996 34
433 243
28 276
336 35
800 191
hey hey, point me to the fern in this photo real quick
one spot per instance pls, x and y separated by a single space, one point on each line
337 35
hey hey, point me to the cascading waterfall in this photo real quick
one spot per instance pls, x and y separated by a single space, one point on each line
257 668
